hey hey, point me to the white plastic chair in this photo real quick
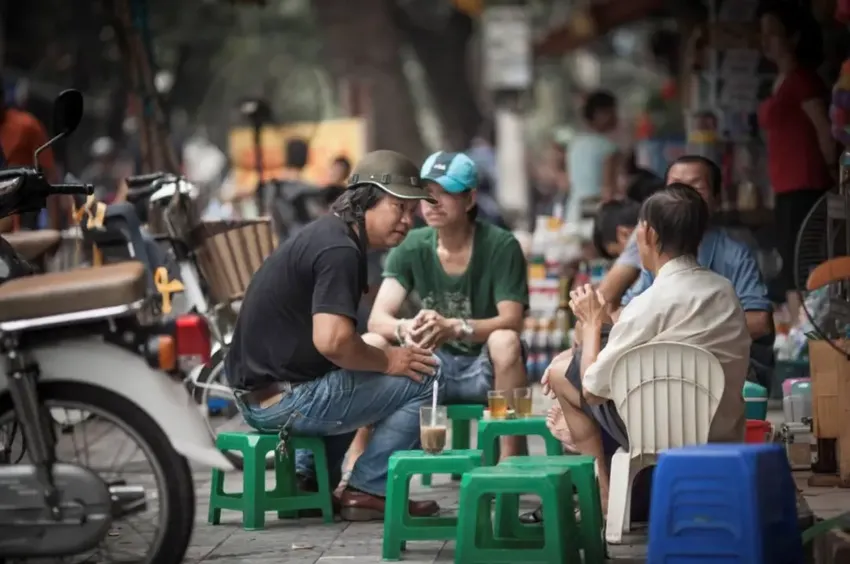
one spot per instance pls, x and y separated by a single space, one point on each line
667 394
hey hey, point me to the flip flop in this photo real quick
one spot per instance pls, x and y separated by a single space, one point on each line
536 517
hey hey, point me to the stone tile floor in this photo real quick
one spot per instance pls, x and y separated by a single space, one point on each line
309 541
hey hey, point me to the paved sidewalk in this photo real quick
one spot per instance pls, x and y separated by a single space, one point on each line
310 541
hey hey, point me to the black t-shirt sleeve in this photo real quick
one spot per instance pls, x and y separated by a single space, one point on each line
337 282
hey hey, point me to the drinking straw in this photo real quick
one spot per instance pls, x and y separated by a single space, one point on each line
434 403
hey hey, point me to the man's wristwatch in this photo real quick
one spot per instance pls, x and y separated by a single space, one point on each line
466 330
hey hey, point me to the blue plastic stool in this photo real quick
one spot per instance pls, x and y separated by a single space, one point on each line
724 503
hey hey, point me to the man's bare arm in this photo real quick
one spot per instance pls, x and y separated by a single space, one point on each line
591 345
511 317
617 281
388 302
336 338
759 323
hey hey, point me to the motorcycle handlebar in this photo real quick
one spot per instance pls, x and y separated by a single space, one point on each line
136 194
72 189
141 180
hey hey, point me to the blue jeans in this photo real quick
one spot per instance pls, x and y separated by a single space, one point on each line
339 403
467 378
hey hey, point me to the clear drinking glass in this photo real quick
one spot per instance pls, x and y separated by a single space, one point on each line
522 402
497 402
433 423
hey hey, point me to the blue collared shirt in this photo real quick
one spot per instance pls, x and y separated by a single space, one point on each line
733 260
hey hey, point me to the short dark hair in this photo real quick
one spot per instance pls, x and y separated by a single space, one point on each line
344 163
598 101
611 215
297 152
679 216
798 21
644 184
715 175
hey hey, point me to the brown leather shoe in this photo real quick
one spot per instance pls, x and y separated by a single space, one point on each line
360 506
309 485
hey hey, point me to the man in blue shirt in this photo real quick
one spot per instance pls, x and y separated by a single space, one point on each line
731 259
718 252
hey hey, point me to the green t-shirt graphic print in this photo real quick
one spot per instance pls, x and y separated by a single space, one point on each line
497 272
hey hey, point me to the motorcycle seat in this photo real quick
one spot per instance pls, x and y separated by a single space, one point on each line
72 291
34 245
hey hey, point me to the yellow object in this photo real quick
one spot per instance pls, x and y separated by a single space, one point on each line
95 212
328 140
166 353
166 287
536 272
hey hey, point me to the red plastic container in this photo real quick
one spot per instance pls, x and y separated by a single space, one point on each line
757 431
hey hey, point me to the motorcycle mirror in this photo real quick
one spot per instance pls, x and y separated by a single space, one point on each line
67 115
67 112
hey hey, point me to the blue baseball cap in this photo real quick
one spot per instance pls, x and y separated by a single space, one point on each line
455 172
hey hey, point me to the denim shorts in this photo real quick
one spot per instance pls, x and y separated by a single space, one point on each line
467 378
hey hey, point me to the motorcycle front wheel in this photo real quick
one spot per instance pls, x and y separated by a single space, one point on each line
81 409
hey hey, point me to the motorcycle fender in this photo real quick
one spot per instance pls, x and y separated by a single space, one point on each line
95 362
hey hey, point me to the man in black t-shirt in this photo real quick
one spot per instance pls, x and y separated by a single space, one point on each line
296 360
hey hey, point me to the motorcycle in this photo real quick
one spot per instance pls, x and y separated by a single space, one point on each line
89 342
214 262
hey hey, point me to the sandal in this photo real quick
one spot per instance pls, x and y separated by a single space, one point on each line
536 517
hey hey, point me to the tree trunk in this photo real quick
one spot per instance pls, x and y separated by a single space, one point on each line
363 46
443 54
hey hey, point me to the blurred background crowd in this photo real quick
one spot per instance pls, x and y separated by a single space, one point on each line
563 104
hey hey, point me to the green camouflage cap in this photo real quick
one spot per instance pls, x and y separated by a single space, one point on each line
392 172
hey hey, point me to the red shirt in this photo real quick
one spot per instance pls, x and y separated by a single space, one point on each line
795 161
20 135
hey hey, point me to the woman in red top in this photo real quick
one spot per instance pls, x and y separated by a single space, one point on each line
801 151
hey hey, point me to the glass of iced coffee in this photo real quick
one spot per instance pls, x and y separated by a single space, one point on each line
432 428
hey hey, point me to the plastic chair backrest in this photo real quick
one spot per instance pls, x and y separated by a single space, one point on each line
667 394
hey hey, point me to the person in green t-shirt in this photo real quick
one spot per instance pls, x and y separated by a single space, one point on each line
471 279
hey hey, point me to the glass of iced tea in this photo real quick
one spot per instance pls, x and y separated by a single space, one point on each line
522 402
497 402
432 428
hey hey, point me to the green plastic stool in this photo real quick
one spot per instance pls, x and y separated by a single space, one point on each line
583 476
476 543
489 431
254 500
461 416
399 526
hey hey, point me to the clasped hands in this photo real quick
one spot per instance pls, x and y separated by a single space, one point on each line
429 330
591 310
420 337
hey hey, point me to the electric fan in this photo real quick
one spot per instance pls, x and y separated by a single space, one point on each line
822 270
822 273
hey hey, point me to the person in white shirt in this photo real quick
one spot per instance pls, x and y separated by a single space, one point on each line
685 304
